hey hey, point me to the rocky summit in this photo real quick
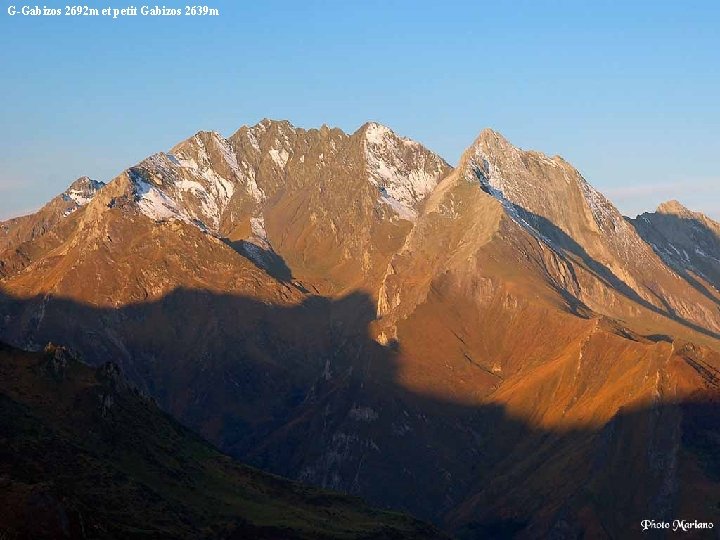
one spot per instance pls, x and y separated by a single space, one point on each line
492 347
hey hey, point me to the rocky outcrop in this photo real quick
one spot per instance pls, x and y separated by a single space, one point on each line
688 242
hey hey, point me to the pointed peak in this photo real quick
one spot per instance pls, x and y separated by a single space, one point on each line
544 187
265 130
490 133
378 134
209 134
375 132
672 207
84 183
403 170
200 138
491 144
264 126
269 124
489 136
490 139
81 191
488 143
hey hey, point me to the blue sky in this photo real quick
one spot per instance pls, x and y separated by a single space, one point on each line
626 91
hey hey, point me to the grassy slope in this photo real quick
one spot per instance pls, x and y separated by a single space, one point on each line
83 455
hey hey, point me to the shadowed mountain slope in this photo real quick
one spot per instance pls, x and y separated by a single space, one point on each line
84 455
636 426
688 242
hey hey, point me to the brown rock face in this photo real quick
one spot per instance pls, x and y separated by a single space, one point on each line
551 200
687 241
17 235
493 347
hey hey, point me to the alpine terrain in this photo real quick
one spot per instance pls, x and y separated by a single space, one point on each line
85 455
492 347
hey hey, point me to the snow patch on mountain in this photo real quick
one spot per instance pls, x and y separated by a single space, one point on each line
402 210
257 247
252 188
80 193
154 203
490 180
197 180
182 161
78 197
217 195
701 253
228 153
213 195
257 226
280 157
402 170
363 414
252 139
605 215
376 133
195 183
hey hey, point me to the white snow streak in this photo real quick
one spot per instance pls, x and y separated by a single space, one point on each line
402 185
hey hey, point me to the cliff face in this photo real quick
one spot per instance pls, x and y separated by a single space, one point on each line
687 241
497 339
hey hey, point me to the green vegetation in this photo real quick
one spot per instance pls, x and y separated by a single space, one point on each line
83 455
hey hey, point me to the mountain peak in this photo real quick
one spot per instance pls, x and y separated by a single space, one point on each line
376 133
83 183
403 170
546 195
489 134
673 207
82 190
269 124
488 143
262 128
490 139
491 142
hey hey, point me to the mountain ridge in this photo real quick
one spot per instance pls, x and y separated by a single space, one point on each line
342 307
269 122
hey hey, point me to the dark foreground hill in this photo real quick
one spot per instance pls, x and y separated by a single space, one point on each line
85 455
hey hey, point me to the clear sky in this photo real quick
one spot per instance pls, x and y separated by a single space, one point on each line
627 91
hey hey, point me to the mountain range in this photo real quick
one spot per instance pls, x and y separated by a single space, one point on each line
492 347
